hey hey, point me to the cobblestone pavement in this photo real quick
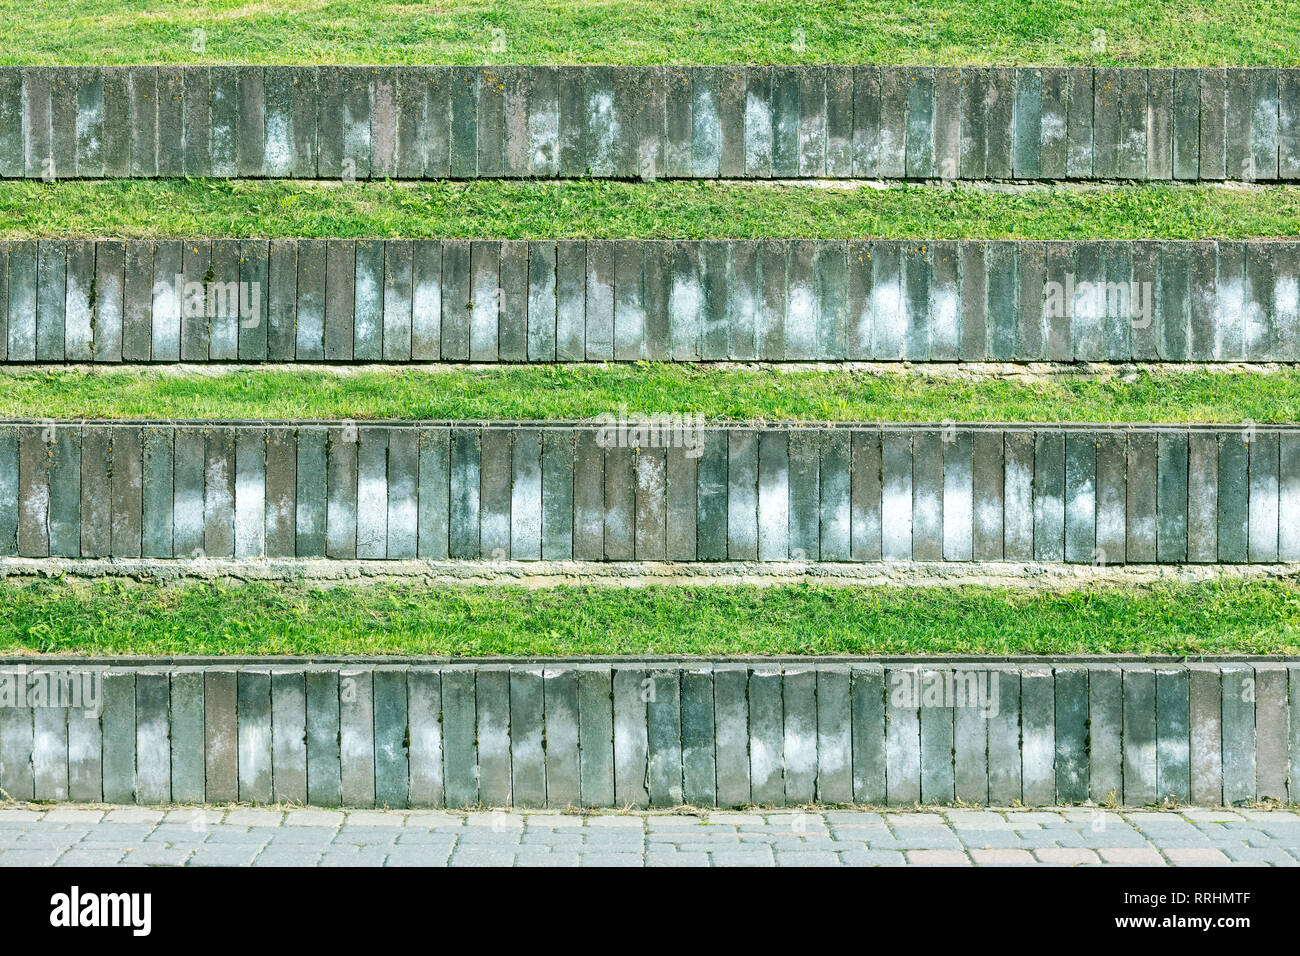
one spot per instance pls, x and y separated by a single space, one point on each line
95 836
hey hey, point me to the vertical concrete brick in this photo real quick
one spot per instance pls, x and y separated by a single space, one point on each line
459 736
457 299
492 700
596 734
424 720
288 735
341 492
731 721
1038 735
310 500
1234 488
1080 496
1112 498
85 756
220 736
1240 693
1049 496
1143 490
65 492
835 499
126 491
1070 688
988 483
186 727
834 747
1105 733
119 740
1272 731
927 495
630 734
766 736
774 493
563 767
1262 519
152 736
372 493
254 747
698 736
1171 497
1005 772
527 759
1205 748
896 496
937 731
392 736
600 302
620 504
433 489
357 736
17 775
867 687
975 701
799 710
664 737
1140 741
902 736
1173 735
324 770
1186 124
571 301
49 753
250 493
426 300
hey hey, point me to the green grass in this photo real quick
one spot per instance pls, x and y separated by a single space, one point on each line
616 210
1148 32
574 392
120 618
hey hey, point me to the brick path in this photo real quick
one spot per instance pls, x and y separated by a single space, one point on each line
93 836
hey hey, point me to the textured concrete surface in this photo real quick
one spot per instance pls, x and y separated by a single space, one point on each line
109 836
774 300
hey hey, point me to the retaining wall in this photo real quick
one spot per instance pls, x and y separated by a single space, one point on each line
330 122
682 492
637 733
289 300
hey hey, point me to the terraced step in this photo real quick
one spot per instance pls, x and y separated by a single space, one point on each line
656 732
315 300
465 122
651 489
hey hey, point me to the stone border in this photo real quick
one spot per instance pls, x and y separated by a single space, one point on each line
784 122
639 733
671 490
403 301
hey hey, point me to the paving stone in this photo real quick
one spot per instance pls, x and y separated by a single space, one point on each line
1146 856
1070 855
254 818
314 818
1001 857
938 857
72 815
133 815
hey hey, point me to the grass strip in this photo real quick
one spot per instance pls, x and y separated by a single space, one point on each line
727 394
589 209
1120 32
113 617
